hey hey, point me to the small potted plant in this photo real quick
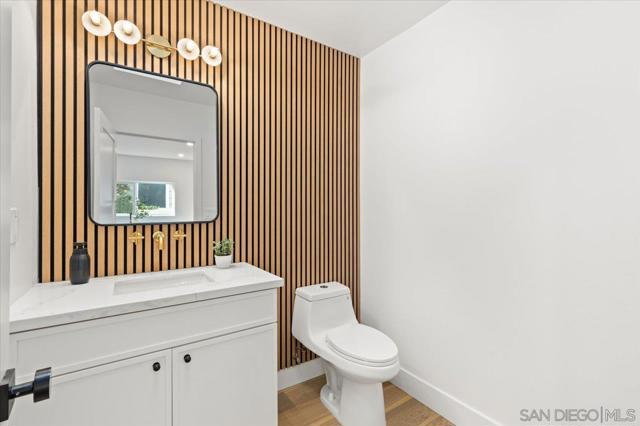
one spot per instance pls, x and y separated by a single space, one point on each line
223 250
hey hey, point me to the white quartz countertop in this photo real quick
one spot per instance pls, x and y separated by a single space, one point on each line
51 304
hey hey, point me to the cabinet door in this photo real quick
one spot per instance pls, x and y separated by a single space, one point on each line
123 393
227 381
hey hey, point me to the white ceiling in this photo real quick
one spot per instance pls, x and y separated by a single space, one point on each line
352 26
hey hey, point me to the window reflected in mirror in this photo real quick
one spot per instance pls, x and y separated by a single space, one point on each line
138 200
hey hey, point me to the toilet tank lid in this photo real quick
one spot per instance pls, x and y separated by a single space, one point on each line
322 291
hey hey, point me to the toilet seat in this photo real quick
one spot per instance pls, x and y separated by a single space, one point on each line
363 345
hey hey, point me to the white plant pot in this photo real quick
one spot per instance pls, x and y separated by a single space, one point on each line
224 261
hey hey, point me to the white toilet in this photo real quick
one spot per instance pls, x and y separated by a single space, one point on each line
356 358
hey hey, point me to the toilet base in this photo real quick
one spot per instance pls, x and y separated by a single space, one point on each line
329 400
353 403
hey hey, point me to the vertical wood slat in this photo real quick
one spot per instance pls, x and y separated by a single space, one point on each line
289 132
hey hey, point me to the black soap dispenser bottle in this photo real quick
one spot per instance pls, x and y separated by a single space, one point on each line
79 264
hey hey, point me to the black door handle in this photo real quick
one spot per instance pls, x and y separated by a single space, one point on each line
9 391
156 366
187 358
42 384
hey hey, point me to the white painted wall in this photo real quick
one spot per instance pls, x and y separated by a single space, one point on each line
501 205
24 146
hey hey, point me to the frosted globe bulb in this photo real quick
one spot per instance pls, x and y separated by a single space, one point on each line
95 18
127 28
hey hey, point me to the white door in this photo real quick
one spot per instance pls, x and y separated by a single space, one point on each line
227 381
198 187
105 168
133 392
5 177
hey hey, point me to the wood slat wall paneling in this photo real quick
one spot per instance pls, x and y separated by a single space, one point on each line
289 131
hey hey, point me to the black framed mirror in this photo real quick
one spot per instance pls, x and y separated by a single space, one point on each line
152 147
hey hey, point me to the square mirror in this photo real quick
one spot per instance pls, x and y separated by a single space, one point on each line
152 151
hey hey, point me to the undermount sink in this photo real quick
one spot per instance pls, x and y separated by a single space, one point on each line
159 281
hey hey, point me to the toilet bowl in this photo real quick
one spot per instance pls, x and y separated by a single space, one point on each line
356 358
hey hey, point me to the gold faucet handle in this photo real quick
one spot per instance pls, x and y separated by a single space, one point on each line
179 235
136 237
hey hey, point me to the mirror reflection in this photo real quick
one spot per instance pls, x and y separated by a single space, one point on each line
153 148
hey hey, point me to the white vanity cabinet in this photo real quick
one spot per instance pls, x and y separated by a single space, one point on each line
202 361
127 392
234 376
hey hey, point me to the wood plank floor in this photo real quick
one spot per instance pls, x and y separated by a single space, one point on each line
300 405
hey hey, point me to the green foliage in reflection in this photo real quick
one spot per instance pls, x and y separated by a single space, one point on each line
142 210
125 203
124 198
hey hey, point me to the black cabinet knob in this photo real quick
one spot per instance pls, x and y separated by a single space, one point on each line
156 366
187 358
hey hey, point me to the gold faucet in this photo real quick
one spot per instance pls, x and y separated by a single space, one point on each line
179 235
158 237
136 237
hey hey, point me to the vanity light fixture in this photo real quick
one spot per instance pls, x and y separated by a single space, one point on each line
127 32
96 23
211 55
188 49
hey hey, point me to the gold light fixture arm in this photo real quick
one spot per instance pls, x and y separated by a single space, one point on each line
158 46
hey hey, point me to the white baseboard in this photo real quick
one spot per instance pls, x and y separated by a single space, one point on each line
441 402
300 373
